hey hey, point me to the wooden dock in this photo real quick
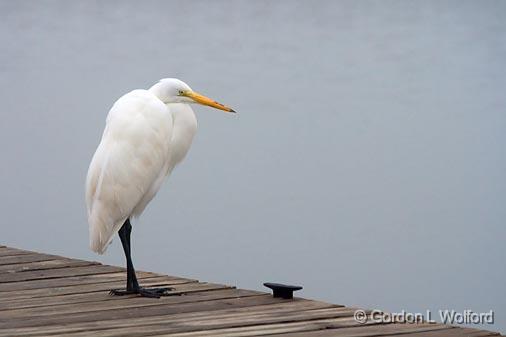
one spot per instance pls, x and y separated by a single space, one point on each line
43 295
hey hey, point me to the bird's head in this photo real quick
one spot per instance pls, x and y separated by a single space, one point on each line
172 90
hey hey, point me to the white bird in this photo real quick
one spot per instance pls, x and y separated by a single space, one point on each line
147 133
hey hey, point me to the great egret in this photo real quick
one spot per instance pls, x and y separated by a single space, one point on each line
147 133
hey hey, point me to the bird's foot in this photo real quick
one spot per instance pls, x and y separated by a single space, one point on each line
144 292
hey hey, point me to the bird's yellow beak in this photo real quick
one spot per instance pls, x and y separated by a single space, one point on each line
201 99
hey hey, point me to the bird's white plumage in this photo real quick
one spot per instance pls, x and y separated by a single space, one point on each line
145 136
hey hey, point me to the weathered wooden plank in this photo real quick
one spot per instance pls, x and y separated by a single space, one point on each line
77 299
451 332
133 301
41 265
7 251
28 258
95 283
270 329
58 273
196 321
196 329
77 294
407 330
127 312
196 297
66 281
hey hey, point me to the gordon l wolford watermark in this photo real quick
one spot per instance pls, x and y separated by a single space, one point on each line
446 316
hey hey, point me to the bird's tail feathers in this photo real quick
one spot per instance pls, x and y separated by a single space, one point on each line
102 229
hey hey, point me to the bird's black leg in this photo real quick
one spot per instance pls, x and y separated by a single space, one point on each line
124 234
132 286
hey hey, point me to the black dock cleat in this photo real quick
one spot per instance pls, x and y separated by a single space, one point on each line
282 290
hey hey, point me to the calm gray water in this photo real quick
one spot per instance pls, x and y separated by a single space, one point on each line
367 161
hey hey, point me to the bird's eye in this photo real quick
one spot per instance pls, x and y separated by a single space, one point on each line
181 92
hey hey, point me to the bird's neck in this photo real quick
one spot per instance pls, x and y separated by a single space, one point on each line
159 92
185 127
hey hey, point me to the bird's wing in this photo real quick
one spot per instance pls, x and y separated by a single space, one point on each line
133 151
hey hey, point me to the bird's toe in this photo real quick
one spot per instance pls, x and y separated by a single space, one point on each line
149 293
120 292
